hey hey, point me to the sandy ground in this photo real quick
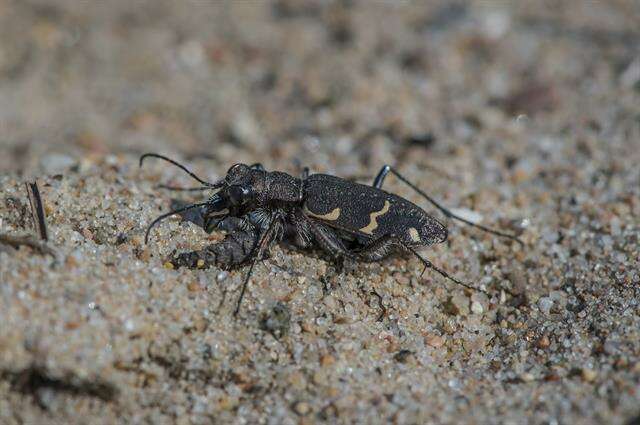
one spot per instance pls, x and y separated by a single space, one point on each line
525 118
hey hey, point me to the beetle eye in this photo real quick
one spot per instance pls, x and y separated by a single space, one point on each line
238 194
237 169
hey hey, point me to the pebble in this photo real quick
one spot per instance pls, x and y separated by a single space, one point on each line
588 375
543 342
545 304
467 214
327 360
477 308
458 305
276 320
56 163
527 377
302 408
434 341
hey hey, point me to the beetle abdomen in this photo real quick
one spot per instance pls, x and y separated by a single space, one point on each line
368 212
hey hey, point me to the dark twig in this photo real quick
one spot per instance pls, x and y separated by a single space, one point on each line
37 210
383 309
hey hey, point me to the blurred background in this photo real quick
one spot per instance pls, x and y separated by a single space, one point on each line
342 85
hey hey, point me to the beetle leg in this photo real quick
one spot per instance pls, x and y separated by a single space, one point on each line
328 240
263 244
386 169
382 247
272 233
298 231
378 249
235 249
379 180
228 224
330 243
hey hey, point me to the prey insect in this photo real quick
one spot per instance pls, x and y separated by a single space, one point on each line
347 220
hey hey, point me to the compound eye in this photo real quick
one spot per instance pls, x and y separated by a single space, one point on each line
238 194
237 169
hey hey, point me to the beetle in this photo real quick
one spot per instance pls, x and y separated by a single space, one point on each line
345 219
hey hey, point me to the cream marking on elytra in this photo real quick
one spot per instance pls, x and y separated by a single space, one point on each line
373 219
332 216
413 234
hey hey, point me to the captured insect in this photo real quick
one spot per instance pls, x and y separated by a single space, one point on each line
345 219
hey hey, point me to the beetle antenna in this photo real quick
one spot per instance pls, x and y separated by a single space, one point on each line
170 213
449 214
184 189
182 167
429 265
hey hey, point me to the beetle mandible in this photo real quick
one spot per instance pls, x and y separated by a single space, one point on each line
347 220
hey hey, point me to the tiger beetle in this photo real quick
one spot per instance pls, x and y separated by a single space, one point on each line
345 219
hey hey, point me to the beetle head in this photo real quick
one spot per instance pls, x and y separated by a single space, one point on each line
243 185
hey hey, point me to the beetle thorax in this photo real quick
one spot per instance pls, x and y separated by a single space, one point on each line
282 187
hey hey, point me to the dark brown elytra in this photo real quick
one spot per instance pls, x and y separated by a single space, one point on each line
347 220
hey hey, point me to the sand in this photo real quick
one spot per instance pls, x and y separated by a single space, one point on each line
525 118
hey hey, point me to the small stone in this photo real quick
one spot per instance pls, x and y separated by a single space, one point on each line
401 279
226 403
193 286
434 341
308 326
87 234
145 255
302 408
71 262
320 378
297 381
71 326
621 363
168 265
57 163
545 304
449 326
467 214
588 375
402 356
200 263
130 325
527 377
276 320
543 342
631 75
454 384
477 308
327 360
458 305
